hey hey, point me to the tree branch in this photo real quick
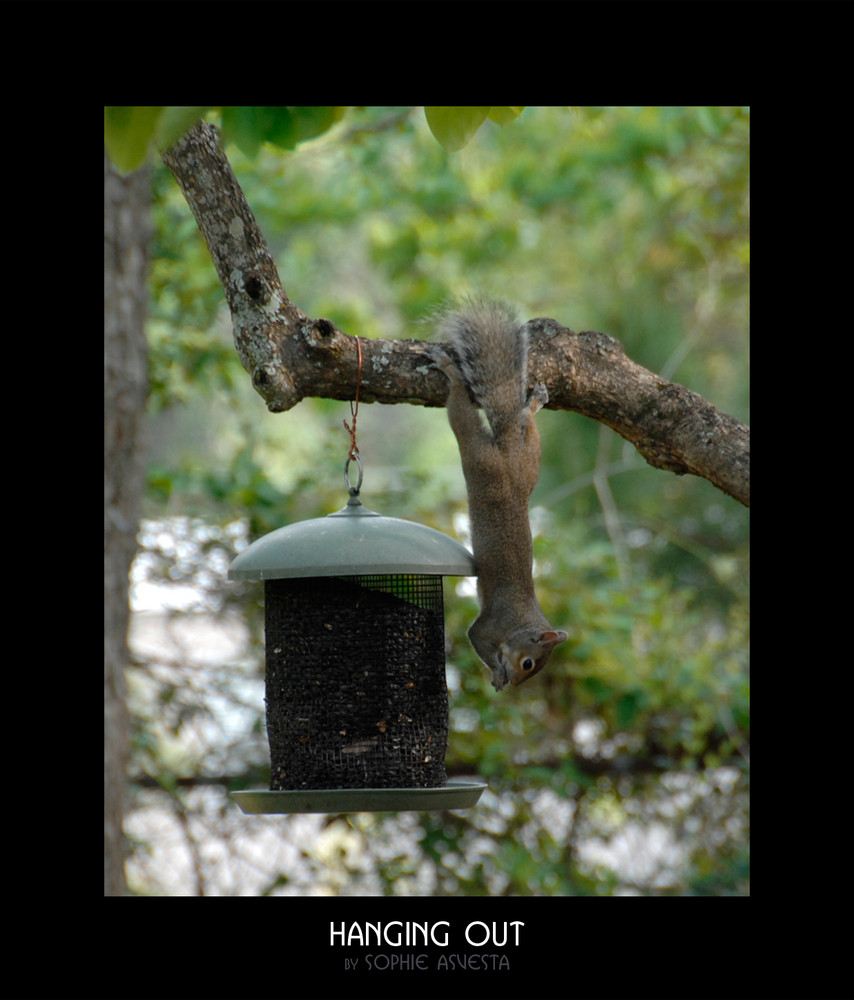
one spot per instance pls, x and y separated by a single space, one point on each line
290 356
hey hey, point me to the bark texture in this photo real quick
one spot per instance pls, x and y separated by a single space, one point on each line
126 238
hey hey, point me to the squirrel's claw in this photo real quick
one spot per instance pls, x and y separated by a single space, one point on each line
539 397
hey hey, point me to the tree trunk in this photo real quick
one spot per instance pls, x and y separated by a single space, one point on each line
127 232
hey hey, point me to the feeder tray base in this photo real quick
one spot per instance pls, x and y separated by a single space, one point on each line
454 795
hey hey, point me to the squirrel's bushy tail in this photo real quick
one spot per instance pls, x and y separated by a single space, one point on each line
491 352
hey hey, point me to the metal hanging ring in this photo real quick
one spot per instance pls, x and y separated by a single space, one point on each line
354 490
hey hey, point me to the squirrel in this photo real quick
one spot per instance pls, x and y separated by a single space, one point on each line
487 367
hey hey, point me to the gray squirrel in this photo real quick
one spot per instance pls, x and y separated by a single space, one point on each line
487 367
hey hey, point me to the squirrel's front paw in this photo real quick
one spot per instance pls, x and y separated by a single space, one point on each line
499 680
539 397
439 358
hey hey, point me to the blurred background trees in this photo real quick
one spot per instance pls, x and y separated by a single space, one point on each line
623 768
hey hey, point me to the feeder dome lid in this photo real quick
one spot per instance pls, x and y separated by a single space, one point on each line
353 541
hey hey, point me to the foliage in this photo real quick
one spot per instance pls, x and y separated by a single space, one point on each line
455 127
632 221
131 134
640 728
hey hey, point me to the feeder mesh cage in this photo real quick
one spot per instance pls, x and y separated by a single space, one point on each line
355 683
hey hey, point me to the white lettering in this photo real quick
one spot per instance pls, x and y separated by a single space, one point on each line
493 936
395 934
442 940
376 928
477 923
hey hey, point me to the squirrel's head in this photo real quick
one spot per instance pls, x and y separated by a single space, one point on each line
518 661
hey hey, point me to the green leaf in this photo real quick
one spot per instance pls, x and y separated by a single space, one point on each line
503 116
285 127
454 127
174 122
129 135
250 127
312 122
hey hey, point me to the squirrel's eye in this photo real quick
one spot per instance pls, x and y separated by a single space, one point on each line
527 664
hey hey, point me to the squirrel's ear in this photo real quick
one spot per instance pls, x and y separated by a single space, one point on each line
554 637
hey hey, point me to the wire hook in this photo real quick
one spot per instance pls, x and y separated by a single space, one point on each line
353 453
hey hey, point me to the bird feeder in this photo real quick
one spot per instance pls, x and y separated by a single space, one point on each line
356 696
